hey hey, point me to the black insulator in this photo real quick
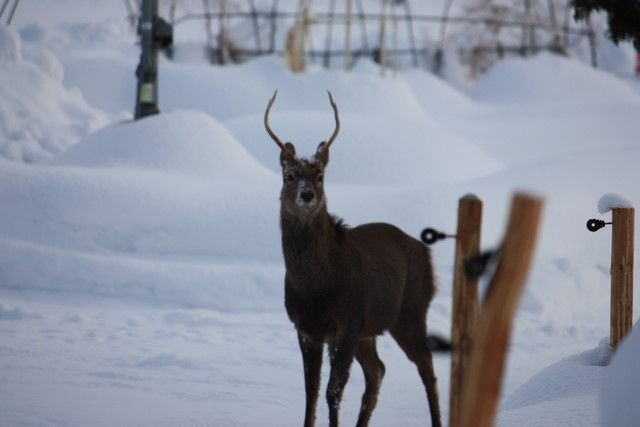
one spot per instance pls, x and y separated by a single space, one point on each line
431 235
435 343
594 225
475 265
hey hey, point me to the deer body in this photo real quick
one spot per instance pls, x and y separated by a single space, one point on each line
344 286
322 292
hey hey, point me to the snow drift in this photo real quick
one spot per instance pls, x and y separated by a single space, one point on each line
39 116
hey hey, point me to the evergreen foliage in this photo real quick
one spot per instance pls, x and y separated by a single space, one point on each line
623 17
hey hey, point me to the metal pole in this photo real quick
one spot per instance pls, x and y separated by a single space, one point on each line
272 36
13 10
222 37
347 36
383 38
363 26
592 44
147 71
4 6
412 38
439 57
327 57
394 26
256 26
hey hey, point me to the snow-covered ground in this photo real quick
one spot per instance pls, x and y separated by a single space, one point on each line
140 265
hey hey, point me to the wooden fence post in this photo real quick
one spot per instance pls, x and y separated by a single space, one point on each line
621 274
465 300
486 367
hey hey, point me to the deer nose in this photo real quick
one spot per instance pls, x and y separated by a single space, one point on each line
307 195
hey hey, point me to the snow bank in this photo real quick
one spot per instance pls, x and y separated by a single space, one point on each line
552 80
621 385
612 201
185 142
39 117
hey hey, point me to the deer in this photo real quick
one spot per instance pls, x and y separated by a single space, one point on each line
346 286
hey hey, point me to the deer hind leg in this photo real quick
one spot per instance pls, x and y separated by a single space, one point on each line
373 369
412 339
341 356
312 361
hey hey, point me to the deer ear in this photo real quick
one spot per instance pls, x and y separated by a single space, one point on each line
288 154
322 154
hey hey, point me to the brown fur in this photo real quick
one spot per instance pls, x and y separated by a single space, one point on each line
344 286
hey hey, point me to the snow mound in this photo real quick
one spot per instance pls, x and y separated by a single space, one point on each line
552 79
224 93
573 376
187 142
437 96
388 151
39 117
621 385
612 201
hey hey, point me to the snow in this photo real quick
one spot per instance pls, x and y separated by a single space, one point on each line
610 201
621 384
9 45
141 270
39 117
183 142
525 81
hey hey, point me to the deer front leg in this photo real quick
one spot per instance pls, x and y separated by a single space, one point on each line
341 356
312 361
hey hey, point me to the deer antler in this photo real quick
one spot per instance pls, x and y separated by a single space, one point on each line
266 122
335 113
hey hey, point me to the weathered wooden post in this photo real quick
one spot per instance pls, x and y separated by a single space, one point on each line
486 367
465 300
621 274
622 245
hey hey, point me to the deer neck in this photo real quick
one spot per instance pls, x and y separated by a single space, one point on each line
306 244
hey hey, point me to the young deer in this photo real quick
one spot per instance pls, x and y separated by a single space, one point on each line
344 286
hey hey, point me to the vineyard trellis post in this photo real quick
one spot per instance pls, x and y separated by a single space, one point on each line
621 273
489 349
388 18
622 254
465 300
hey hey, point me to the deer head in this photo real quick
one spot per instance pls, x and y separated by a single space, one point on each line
303 179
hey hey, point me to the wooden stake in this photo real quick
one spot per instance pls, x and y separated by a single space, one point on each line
621 274
486 367
465 300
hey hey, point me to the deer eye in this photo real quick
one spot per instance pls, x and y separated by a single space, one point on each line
290 177
319 178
